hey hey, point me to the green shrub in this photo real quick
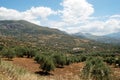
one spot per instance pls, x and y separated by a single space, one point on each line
39 58
19 51
68 61
1 47
47 65
45 61
60 60
25 51
30 52
110 60
83 58
95 69
8 53
117 62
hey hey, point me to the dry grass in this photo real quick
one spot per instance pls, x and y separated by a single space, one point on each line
17 73
3 77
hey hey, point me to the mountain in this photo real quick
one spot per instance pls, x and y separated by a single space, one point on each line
22 33
85 35
114 35
16 28
38 36
110 38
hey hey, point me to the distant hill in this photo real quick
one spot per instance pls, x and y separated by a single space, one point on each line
85 35
114 35
110 38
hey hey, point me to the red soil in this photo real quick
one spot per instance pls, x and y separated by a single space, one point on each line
26 63
68 72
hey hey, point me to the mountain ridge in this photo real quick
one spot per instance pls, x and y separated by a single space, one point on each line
115 35
110 38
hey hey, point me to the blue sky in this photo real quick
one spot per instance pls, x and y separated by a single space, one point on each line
102 7
97 17
106 7
22 5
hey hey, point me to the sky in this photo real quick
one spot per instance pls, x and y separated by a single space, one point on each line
98 17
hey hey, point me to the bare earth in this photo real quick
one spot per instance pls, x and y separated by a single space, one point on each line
67 73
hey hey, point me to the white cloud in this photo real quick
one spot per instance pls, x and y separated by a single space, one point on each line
42 12
73 14
77 17
115 16
101 27
95 27
35 14
76 11
9 14
112 25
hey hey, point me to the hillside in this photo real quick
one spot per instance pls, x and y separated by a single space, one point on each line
14 33
21 27
25 32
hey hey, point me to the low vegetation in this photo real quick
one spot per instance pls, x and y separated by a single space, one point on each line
96 69
8 53
50 60
14 72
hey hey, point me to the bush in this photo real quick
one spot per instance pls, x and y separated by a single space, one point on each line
83 58
46 62
19 51
1 47
8 53
39 58
95 69
25 51
117 62
70 60
30 52
75 59
47 65
110 60
60 60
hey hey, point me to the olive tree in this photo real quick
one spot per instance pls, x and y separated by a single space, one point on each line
60 60
47 65
46 62
95 69
8 53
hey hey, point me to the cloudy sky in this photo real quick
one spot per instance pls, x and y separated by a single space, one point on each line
98 17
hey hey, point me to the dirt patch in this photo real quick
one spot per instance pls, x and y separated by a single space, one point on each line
67 73
116 72
26 63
